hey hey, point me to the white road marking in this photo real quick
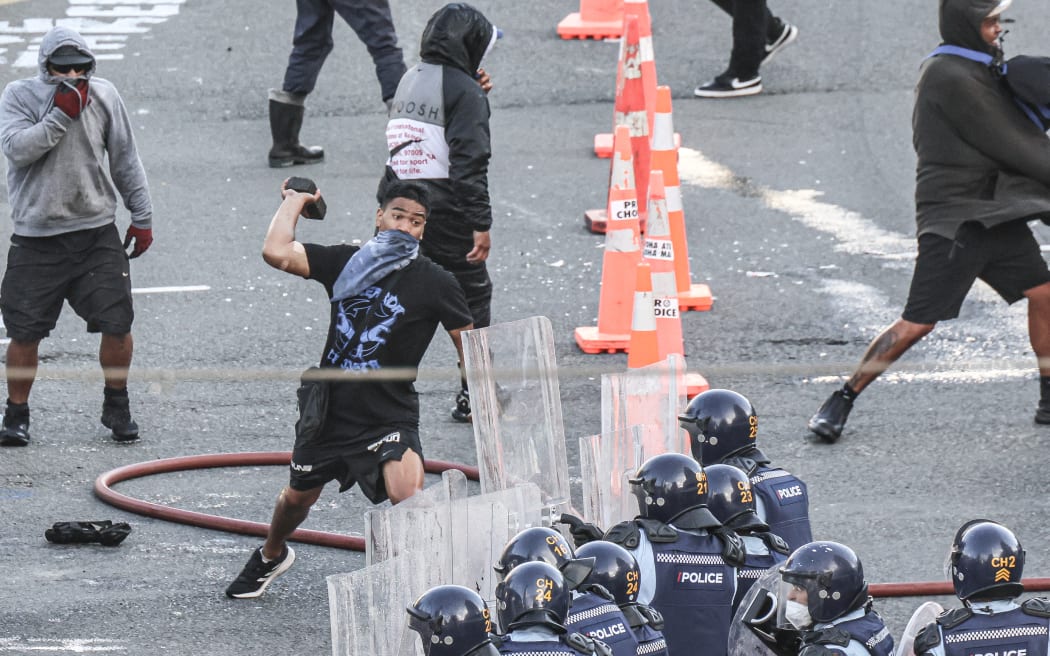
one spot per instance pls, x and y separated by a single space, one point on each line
74 645
170 290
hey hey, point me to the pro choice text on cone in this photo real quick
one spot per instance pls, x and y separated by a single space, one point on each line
620 259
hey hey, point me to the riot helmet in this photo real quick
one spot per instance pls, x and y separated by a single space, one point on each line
731 499
820 582
451 620
615 569
720 423
986 561
532 594
668 485
546 545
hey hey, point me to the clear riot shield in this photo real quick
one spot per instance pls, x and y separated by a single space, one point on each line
754 630
607 462
367 606
922 616
650 397
516 406
418 523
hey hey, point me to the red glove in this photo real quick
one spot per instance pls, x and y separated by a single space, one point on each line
72 97
143 238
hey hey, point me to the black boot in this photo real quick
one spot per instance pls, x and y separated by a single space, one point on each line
15 431
831 418
116 415
285 121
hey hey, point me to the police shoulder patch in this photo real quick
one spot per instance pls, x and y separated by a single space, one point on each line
625 534
928 638
1037 607
953 617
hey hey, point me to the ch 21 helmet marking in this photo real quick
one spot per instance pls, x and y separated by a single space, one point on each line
832 576
532 594
543 544
615 569
730 497
669 484
720 423
986 561
451 620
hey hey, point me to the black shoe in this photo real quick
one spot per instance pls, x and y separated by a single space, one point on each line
116 416
787 36
286 119
462 410
831 418
1042 413
257 575
15 430
728 85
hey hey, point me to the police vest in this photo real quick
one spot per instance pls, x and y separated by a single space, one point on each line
565 645
694 593
786 502
755 565
597 616
1011 633
870 631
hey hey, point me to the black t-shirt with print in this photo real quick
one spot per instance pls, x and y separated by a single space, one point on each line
388 326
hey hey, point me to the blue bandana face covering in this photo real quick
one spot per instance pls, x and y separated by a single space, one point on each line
387 252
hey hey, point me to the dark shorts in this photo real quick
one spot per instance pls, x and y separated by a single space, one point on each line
1006 257
357 462
88 268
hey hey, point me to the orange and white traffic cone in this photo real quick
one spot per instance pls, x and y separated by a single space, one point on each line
659 253
639 9
691 296
597 19
645 349
621 257
630 111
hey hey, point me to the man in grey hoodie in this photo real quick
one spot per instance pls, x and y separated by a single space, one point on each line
983 172
68 141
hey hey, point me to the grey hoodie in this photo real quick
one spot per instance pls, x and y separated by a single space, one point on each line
979 157
57 166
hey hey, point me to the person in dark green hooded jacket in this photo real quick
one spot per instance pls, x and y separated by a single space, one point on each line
983 172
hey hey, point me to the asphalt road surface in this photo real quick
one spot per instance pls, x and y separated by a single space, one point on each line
800 218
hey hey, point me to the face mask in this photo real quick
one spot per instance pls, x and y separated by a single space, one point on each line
797 614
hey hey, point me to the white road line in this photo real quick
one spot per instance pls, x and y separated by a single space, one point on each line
75 645
170 290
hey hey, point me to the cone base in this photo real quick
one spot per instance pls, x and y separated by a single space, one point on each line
603 144
591 341
574 27
695 384
597 221
697 297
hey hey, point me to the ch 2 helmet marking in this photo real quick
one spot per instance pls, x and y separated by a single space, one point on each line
720 423
986 561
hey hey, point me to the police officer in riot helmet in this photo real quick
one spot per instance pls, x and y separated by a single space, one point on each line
452 620
731 500
616 570
687 559
532 602
723 429
823 594
985 565
593 612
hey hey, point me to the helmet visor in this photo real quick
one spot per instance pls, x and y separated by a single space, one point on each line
792 605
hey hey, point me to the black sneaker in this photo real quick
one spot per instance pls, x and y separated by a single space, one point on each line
257 575
461 412
116 416
787 36
15 430
728 85
831 418
1042 413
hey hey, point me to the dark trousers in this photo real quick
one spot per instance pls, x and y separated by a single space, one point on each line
753 27
370 20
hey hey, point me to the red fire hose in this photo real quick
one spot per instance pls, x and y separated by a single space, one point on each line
104 491
254 459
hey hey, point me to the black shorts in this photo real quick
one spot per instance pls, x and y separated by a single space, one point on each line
88 268
1007 257
357 462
